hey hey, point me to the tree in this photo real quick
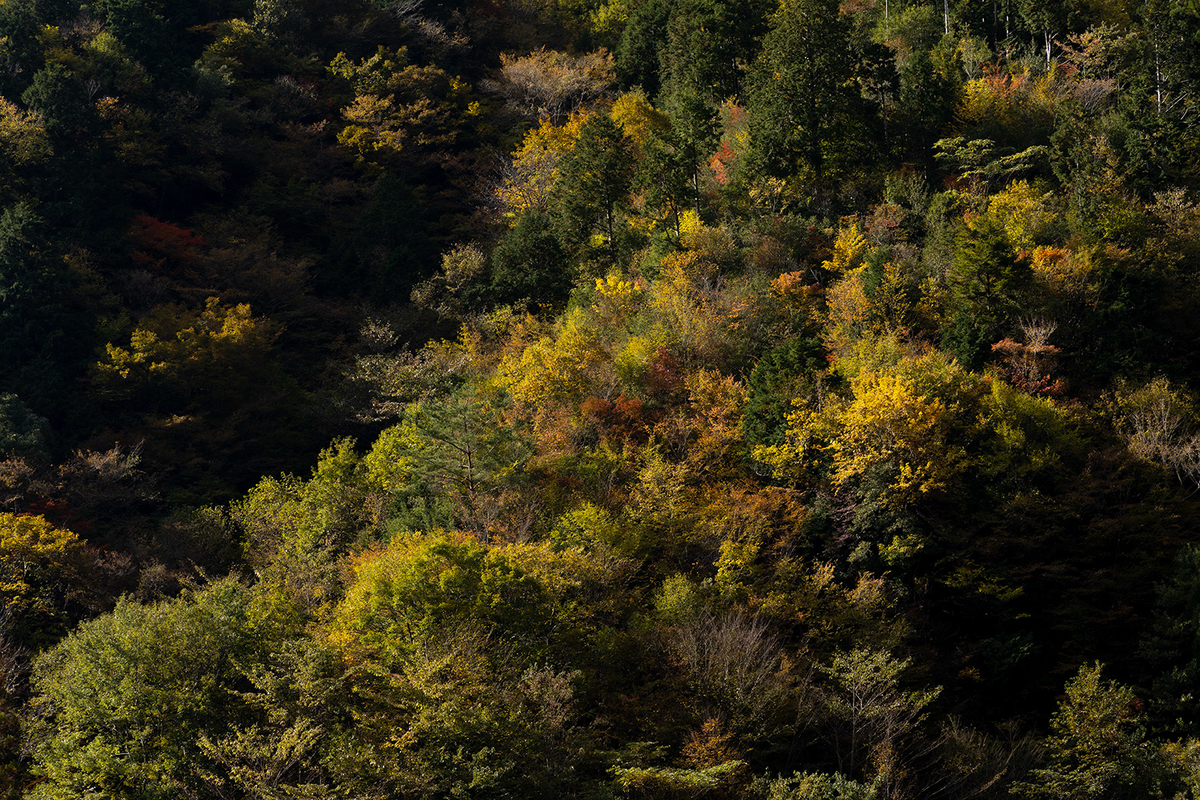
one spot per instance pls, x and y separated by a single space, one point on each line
444 636
24 143
1157 422
143 31
637 55
423 585
398 107
737 670
22 51
806 110
529 180
41 568
877 721
987 282
781 375
287 520
593 185
707 48
221 351
530 264
22 433
894 443
32 335
447 464
549 85
1050 20
122 704
1097 747
676 157
817 786
927 101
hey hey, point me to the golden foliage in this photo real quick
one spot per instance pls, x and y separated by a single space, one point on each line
397 104
555 367
849 250
1023 212
23 138
184 348
899 305
534 168
637 118
38 562
898 436
1011 104
890 424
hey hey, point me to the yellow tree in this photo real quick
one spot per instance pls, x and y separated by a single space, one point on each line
23 142
898 437
534 169
890 431
637 118
218 349
398 105
39 565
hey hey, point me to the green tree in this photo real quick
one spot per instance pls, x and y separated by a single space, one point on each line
988 281
122 704
676 158
926 107
637 54
530 263
593 185
21 52
877 722
780 376
448 464
442 634
419 585
59 96
32 335
806 109
22 433
1097 746
818 786
708 45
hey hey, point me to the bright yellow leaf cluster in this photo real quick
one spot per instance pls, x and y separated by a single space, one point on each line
849 250
534 169
183 347
891 425
1024 212
554 368
33 556
637 118
23 138
895 437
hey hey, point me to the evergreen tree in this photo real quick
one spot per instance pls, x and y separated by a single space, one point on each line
530 264
31 309
807 115
592 186
987 280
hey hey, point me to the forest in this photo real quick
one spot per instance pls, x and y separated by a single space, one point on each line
764 399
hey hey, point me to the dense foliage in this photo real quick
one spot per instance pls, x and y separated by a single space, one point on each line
728 399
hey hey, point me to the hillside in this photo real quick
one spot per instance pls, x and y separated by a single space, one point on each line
645 399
